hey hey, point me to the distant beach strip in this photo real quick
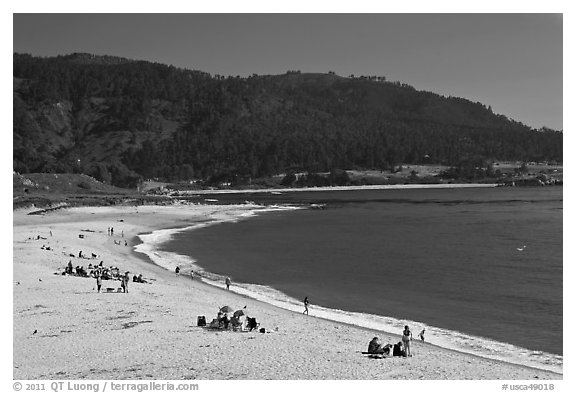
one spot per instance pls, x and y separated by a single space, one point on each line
337 188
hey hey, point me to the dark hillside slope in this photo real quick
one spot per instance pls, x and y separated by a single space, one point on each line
121 120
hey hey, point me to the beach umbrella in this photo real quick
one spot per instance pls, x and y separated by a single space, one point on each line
226 309
239 313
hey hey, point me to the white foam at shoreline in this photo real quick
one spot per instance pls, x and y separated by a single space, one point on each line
449 339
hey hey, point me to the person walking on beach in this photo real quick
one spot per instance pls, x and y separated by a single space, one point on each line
306 302
406 338
228 283
421 335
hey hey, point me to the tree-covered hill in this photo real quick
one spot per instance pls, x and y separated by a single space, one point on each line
121 121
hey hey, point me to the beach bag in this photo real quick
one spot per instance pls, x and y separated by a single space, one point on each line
201 320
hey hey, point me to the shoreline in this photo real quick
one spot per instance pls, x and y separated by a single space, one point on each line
455 340
179 294
337 188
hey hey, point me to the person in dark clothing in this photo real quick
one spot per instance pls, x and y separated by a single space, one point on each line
421 334
125 281
226 321
375 346
99 282
252 324
398 350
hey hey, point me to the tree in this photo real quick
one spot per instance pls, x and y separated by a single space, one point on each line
288 180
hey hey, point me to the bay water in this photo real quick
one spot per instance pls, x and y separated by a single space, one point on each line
479 268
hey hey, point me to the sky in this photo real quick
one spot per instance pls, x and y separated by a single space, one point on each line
512 62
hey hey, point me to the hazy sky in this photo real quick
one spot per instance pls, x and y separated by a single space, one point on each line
512 62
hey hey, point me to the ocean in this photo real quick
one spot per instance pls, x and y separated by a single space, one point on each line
479 268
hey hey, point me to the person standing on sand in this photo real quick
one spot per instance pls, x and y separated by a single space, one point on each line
406 338
98 282
306 303
125 280
228 283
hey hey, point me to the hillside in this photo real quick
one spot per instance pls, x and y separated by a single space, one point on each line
122 121
51 190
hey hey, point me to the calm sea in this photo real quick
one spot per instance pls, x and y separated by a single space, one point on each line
480 269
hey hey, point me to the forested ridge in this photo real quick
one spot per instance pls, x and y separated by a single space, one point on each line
121 121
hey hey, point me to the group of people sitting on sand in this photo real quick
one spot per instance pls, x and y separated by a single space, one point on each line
79 271
101 272
124 280
234 322
139 278
107 273
402 348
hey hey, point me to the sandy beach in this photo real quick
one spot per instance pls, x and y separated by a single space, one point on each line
64 329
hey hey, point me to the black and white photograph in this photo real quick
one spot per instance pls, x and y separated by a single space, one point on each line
282 196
